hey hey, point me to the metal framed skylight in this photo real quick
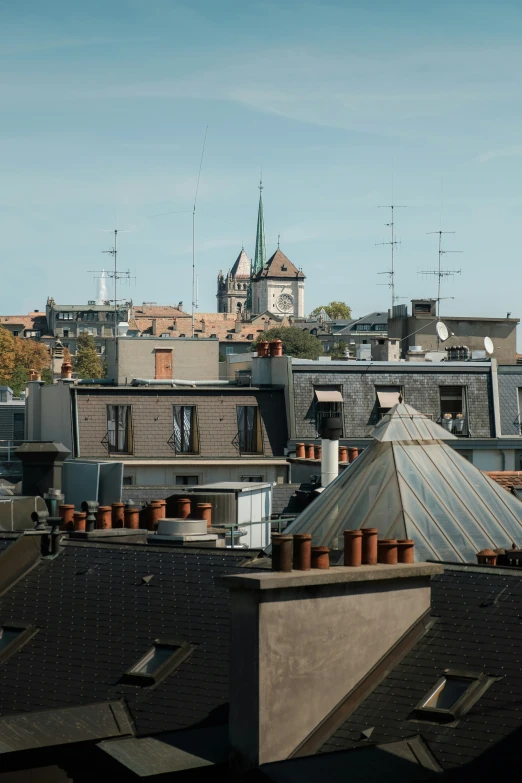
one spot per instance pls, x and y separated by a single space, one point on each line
12 637
452 696
158 662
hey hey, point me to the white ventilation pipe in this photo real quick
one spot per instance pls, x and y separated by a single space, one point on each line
329 461
330 432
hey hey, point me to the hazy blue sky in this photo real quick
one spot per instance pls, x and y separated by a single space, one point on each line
104 108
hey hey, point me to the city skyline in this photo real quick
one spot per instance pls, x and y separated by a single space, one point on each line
105 115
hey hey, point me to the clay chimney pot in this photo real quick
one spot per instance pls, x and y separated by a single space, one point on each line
369 545
353 548
387 551
321 557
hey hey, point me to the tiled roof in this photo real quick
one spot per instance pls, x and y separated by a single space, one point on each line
283 500
279 265
241 266
96 618
476 628
158 311
506 478
35 320
205 325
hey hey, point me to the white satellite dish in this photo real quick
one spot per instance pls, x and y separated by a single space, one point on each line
488 345
442 331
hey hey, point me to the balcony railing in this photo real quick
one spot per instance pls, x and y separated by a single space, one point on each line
457 426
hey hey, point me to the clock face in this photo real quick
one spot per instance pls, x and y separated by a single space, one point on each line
285 302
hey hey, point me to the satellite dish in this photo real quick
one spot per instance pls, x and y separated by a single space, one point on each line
488 345
442 331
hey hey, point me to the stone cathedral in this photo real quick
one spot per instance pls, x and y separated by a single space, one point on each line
275 286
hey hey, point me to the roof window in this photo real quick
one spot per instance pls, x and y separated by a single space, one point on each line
162 659
452 696
12 637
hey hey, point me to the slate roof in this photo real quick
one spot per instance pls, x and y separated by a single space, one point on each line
279 265
283 500
478 614
97 618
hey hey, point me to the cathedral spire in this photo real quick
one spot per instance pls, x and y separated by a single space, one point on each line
260 254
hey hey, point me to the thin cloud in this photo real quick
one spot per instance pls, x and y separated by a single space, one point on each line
503 152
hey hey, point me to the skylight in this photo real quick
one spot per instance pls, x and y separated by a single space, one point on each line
12 637
452 696
159 661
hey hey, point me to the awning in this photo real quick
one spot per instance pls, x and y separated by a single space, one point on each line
387 399
328 395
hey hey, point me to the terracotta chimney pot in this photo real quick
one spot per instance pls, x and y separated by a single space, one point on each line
276 348
79 520
352 454
317 452
103 518
299 450
66 512
66 370
487 557
204 511
321 557
117 514
405 550
309 450
182 508
353 548
282 549
131 517
155 511
387 551
369 545
343 454
302 551
262 349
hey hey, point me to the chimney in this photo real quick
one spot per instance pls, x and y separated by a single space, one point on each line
330 431
238 325
154 327
203 325
346 623
41 466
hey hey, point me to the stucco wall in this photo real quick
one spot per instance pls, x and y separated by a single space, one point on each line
297 652
191 359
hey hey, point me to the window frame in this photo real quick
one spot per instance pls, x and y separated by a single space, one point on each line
186 476
257 430
181 651
194 431
26 632
464 430
479 683
252 479
129 431
326 410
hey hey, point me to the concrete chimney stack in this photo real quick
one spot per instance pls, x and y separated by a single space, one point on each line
303 641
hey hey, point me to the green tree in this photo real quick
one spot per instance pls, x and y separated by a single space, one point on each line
335 310
296 342
87 363
338 351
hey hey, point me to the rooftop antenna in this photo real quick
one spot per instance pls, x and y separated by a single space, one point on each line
194 292
441 273
115 274
392 242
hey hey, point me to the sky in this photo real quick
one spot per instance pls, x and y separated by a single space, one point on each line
344 106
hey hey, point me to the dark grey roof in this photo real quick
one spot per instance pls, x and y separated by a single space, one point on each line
283 498
372 319
6 540
478 614
97 618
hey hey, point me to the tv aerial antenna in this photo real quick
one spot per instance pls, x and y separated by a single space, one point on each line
194 280
392 242
115 274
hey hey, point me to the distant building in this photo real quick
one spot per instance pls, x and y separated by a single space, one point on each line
33 325
419 329
275 286
67 322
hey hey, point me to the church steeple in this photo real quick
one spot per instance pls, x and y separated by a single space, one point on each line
260 254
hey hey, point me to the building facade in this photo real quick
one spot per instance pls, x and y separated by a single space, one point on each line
233 288
67 322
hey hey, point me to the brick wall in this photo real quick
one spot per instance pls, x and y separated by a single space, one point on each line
152 417
421 391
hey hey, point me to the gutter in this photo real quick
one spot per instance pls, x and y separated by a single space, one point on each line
178 382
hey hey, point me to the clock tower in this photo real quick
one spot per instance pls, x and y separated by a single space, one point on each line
279 287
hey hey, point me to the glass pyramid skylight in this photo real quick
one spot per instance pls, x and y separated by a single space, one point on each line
409 483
